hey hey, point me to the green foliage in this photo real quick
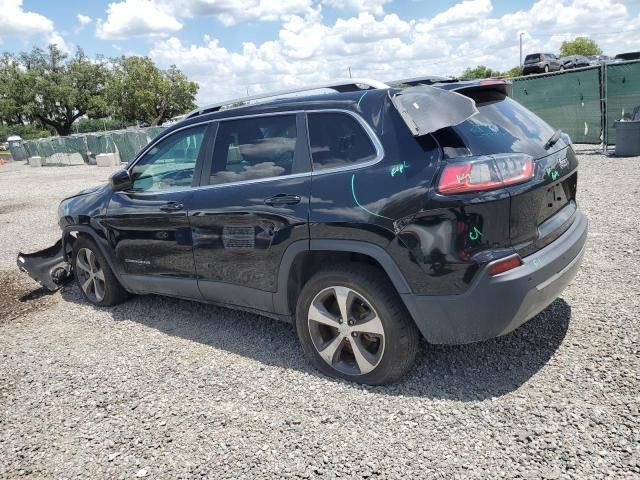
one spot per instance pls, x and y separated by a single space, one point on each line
514 72
141 92
479 72
88 125
50 88
27 132
579 46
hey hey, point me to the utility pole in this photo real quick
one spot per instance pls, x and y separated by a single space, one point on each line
521 33
349 71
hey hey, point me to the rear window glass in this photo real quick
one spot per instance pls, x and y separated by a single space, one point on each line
501 126
337 140
532 58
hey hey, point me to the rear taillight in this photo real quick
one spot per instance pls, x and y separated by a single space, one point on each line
505 265
485 173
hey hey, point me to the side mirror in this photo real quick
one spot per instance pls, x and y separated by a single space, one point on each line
120 181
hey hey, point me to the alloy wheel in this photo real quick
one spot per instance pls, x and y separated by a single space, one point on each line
346 331
90 275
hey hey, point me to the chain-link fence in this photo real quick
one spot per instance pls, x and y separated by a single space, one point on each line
85 147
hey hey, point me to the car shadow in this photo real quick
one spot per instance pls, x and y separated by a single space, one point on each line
459 372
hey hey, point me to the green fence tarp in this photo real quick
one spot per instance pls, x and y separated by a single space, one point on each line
623 93
569 101
126 143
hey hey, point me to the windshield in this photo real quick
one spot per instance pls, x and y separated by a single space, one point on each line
532 58
501 126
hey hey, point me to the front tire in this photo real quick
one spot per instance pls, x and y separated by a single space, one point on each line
352 324
93 275
546 69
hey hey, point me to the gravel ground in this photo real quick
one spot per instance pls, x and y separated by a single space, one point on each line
164 388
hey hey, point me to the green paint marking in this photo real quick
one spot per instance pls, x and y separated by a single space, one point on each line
396 169
475 234
552 173
358 104
355 199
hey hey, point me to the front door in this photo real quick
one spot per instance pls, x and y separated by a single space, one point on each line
149 225
254 205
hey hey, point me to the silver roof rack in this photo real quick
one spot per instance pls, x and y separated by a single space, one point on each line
348 85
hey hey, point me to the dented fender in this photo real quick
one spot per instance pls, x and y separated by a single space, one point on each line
49 267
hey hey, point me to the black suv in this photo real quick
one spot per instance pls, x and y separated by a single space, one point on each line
541 63
366 216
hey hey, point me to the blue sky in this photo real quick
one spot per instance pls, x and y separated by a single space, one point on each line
229 46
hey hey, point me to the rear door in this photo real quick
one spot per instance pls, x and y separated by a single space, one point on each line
542 208
149 225
252 205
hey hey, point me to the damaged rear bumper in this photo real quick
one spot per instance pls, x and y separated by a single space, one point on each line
49 267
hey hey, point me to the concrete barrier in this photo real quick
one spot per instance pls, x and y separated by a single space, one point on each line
107 160
35 161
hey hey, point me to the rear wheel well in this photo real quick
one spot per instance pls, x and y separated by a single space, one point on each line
307 263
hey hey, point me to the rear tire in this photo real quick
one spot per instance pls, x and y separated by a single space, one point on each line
375 344
546 69
95 278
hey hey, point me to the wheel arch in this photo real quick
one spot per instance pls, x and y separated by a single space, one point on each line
303 258
70 233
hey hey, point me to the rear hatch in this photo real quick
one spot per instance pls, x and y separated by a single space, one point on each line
541 208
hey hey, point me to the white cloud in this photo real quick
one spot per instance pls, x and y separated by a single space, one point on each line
372 6
231 12
136 18
17 21
307 50
83 19
56 39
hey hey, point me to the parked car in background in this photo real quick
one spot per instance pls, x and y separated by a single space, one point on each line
541 63
4 146
574 61
599 59
623 57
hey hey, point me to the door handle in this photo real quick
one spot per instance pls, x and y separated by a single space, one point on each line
172 207
283 199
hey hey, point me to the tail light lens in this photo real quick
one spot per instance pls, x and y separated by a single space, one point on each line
485 173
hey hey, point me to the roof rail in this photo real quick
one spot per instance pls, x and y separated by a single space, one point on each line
425 80
348 85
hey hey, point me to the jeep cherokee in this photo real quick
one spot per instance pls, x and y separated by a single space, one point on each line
366 216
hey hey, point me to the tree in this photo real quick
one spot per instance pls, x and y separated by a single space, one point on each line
579 46
53 90
479 72
140 92
514 72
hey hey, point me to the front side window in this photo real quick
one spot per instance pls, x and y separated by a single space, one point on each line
171 163
253 148
337 140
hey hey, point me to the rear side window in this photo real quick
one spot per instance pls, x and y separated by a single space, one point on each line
338 140
501 126
253 148
532 58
